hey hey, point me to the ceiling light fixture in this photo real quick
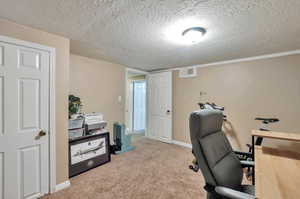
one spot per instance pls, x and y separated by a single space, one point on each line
193 35
186 31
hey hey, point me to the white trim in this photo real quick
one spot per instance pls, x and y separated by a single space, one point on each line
141 132
147 106
52 117
125 102
182 144
11 40
52 121
126 92
62 186
168 141
136 71
247 59
171 107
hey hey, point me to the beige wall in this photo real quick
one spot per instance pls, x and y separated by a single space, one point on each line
269 88
62 46
98 84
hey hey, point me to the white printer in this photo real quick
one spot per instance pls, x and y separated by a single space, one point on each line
94 124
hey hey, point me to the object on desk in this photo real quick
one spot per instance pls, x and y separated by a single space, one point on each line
99 126
75 133
93 118
94 121
75 106
88 152
96 131
75 128
121 140
76 123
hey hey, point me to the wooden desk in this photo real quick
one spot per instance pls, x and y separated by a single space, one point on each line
277 135
277 172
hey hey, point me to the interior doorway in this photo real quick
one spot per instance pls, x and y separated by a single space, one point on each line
139 106
160 106
27 137
135 117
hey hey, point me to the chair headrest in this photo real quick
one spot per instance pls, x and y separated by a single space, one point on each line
206 122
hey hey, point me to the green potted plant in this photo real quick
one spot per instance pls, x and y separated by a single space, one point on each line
74 106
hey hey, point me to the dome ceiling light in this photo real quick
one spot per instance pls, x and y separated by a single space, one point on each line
187 31
193 35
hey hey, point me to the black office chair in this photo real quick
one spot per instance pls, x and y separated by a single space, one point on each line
222 170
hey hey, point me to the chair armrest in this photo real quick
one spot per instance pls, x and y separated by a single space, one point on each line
232 194
245 163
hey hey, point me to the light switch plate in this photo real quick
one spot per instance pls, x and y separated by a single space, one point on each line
119 98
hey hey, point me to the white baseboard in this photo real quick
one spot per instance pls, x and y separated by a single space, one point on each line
62 186
160 139
182 144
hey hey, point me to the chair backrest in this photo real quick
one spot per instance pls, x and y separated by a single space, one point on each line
216 159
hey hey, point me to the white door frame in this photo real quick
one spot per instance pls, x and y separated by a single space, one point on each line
52 117
126 91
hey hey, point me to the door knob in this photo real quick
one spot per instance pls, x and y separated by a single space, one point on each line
42 133
168 111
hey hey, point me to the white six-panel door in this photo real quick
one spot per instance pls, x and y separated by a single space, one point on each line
160 106
24 122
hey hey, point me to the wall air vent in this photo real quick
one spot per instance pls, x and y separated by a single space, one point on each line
188 72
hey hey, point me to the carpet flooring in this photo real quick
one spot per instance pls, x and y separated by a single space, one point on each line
154 170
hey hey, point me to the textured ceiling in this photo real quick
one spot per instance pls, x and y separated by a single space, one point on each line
134 32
